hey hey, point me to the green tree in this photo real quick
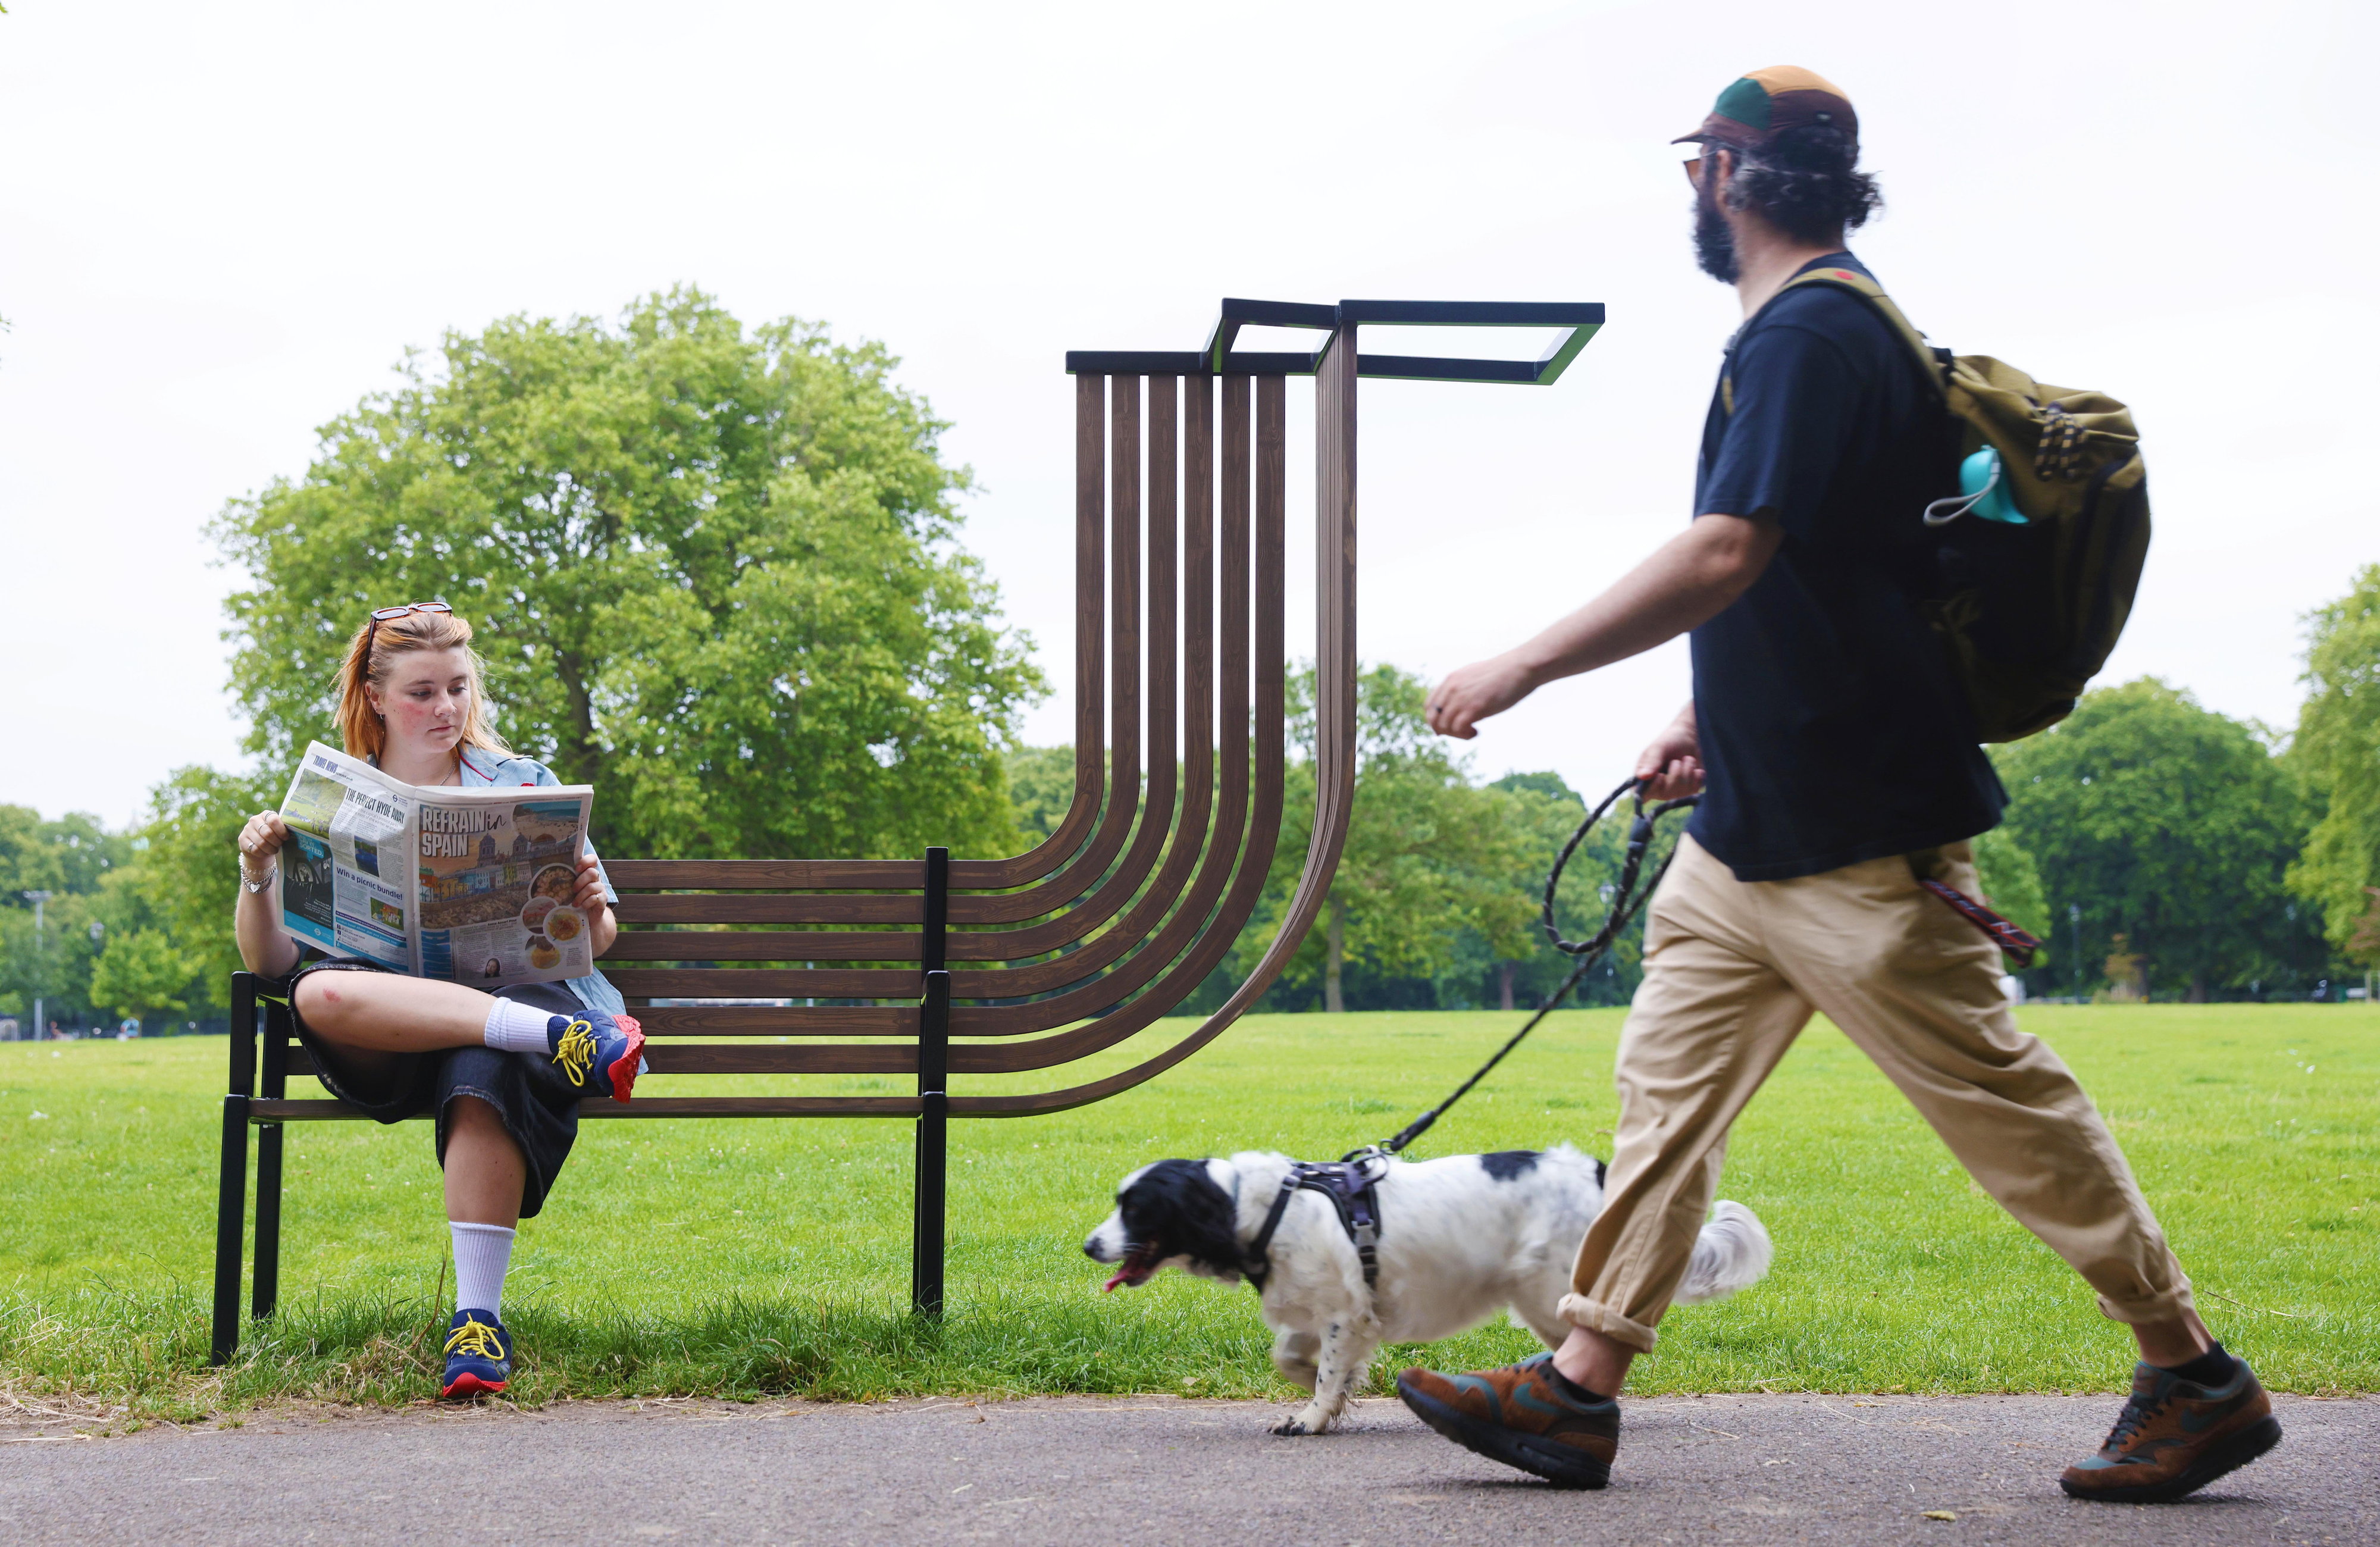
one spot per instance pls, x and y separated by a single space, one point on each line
1040 789
1427 855
72 854
138 974
77 861
2169 823
182 879
2336 751
714 570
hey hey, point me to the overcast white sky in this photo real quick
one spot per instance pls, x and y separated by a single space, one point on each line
220 225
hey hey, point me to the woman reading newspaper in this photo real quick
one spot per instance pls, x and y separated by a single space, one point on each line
504 1072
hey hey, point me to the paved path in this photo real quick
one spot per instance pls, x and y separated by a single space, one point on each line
1730 1470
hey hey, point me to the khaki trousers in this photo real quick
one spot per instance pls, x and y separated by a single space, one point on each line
1732 971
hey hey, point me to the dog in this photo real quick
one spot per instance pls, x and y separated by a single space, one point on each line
1459 1239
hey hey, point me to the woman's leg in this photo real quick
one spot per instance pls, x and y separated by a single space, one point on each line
485 1172
381 1011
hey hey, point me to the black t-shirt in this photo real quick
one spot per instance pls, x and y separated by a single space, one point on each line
1833 730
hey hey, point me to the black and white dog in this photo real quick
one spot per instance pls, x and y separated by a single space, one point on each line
1460 1238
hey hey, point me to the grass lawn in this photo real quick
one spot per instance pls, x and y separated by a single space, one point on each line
767 1258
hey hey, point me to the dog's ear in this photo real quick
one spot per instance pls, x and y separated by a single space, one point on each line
1177 1204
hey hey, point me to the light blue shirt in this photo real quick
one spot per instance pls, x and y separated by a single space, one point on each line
483 767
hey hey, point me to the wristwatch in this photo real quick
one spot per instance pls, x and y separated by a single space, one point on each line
263 882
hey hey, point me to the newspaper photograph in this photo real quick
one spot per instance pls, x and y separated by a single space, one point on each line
474 885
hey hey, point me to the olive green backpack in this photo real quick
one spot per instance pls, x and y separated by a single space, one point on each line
2030 611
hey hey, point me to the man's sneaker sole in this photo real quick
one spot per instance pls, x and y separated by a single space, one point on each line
466 1386
1559 1465
2229 1457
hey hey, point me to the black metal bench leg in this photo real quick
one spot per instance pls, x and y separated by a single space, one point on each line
266 1292
932 1150
232 1190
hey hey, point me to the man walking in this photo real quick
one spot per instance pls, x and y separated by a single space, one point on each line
1838 767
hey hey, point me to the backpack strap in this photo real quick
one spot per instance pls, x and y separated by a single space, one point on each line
1932 363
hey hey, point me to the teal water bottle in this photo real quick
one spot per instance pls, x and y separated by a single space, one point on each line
1983 491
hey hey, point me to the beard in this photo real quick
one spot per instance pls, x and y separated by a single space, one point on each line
1714 239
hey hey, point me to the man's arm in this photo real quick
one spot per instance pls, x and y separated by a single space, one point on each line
1687 582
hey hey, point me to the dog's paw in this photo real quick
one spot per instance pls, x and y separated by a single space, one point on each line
1290 1425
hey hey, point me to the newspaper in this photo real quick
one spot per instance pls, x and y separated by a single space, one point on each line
486 899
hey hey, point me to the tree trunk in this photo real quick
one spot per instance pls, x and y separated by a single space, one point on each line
2197 989
1504 970
1334 952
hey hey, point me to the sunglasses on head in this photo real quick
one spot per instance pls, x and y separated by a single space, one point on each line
390 615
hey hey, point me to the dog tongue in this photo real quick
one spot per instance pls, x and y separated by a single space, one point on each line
1116 1281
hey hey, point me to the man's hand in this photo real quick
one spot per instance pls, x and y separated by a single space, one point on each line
1470 693
1673 762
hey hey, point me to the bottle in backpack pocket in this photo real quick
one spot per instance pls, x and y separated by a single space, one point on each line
1982 492
1979 478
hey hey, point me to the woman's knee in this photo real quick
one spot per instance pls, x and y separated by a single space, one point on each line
322 1003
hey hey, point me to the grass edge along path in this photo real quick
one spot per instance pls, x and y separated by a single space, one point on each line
769 1259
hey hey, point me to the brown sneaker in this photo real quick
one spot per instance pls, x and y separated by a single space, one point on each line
2177 1436
1520 1415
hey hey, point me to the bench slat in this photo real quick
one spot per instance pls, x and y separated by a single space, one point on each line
763 945
661 1106
764 983
734 1058
743 1021
771 1020
899 1058
789 875
771 908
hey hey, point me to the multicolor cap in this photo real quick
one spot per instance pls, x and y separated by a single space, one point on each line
1767 101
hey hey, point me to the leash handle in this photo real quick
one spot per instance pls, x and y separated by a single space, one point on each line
2010 936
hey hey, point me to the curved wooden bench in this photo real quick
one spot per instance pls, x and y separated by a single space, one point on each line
1094 934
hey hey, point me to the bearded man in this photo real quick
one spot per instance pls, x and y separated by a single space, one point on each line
1839 770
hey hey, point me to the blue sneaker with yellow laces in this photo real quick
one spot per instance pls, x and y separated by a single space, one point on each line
479 1356
598 1052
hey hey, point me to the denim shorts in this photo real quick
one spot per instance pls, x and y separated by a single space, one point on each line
538 1106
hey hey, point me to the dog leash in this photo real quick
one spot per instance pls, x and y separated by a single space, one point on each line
1627 899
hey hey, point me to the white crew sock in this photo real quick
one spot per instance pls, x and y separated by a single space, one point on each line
482 1254
518 1028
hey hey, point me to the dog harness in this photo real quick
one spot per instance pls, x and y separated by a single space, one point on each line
1352 1188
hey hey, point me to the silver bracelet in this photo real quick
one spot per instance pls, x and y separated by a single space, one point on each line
263 882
